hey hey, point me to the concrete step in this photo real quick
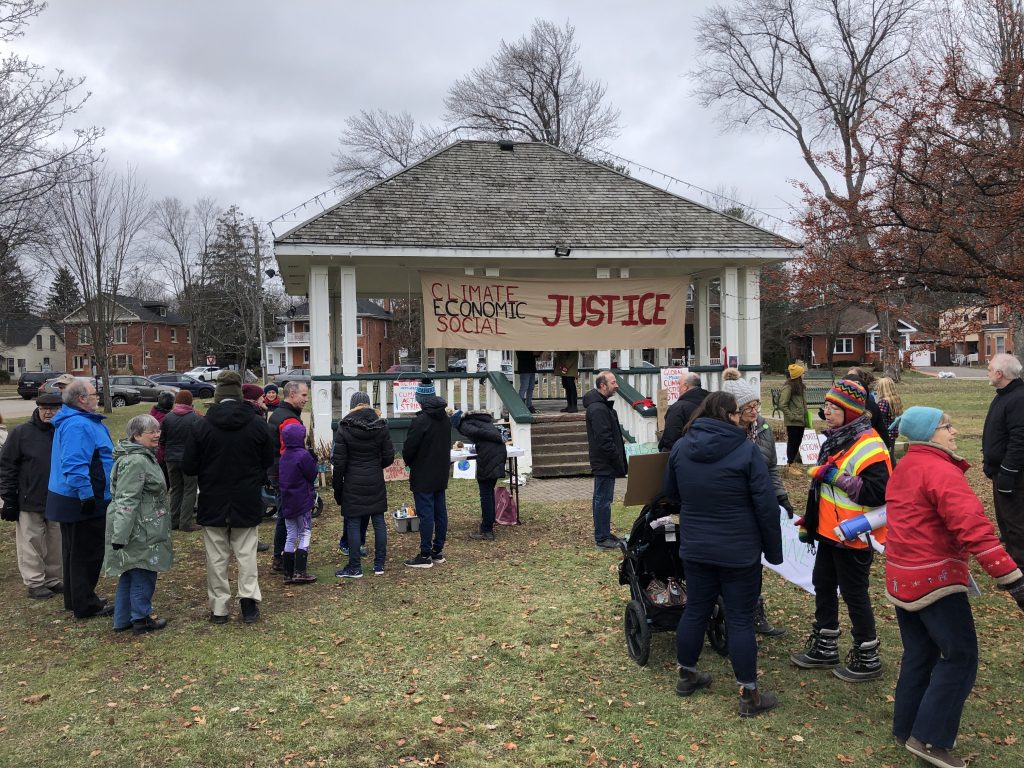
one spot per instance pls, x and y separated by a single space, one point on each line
577 469
557 441
567 456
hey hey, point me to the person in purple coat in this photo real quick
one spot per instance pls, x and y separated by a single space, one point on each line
297 496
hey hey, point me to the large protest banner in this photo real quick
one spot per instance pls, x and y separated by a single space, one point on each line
470 312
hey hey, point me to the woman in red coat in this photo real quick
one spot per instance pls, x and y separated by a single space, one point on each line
935 523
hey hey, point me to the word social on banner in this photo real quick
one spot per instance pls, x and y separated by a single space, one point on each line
513 313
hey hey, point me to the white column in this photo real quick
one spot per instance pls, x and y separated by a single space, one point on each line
750 319
320 352
493 363
471 354
729 313
625 355
349 341
603 357
702 328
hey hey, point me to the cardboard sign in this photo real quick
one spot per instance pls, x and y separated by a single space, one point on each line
397 471
640 449
810 446
670 378
403 395
662 410
512 313
646 478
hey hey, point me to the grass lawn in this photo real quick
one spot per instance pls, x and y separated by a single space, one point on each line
512 654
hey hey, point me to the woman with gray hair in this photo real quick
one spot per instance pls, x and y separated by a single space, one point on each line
138 527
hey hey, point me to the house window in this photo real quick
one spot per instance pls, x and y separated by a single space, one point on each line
305 327
188 336
121 362
359 356
282 360
174 335
163 311
988 346
170 362
46 362
844 346
305 356
77 363
21 364
359 326
39 342
386 324
10 365
1000 344
156 333
121 334
147 354
85 335
53 343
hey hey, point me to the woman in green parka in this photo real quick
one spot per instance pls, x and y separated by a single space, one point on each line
138 527
793 403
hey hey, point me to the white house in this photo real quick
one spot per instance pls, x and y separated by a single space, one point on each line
30 344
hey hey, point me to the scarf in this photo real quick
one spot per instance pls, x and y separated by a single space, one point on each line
839 439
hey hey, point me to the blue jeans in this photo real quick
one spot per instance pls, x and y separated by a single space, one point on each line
133 599
432 511
604 491
940 663
739 588
356 526
486 504
364 524
526 381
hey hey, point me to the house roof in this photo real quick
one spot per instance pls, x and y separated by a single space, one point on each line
477 194
854 320
364 308
147 311
17 332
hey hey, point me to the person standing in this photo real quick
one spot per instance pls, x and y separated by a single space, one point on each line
24 473
526 367
79 492
849 480
935 523
567 366
427 453
296 395
890 406
491 456
138 532
606 452
297 497
728 518
362 451
271 398
793 403
174 432
1002 448
230 451
691 395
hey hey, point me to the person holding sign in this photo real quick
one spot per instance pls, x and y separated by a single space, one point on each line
849 480
691 395
935 523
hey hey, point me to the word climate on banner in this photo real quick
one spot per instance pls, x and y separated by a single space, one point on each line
504 313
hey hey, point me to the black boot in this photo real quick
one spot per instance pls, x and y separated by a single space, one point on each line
761 624
754 701
288 566
301 577
822 650
148 624
688 681
250 610
862 664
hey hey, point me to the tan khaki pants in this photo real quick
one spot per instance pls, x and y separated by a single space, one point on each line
220 543
37 541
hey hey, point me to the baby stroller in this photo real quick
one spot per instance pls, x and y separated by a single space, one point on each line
649 554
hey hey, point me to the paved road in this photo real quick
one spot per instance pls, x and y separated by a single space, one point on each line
16 409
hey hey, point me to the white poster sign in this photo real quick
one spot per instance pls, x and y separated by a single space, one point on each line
670 378
464 469
810 446
797 559
403 395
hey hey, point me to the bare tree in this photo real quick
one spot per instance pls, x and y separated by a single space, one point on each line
376 144
96 219
534 89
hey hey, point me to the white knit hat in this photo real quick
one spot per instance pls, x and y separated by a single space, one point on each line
743 392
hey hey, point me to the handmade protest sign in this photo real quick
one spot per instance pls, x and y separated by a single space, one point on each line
510 313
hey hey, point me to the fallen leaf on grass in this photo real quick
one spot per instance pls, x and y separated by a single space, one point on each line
592 759
491 727
95 753
437 720
844 759
35 698
510 745
796 737
400 743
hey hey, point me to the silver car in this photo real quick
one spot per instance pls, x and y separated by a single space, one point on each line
149 389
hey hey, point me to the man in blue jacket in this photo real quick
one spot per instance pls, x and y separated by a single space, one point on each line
79 492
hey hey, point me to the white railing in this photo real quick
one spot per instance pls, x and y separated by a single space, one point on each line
640 427
296 338
469 394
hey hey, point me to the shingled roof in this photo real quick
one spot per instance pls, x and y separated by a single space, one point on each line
17 332
482 194
364 308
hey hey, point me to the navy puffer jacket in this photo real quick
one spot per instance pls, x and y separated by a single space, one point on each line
491 455
729 515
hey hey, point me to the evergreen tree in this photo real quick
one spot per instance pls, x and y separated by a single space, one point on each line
15 287
64 296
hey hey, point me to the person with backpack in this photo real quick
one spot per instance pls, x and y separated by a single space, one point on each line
478 428
427 453
297 471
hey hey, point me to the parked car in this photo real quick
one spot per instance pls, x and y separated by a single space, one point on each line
148 388
295 374
404 368
457 366
206 372
201 389
31 381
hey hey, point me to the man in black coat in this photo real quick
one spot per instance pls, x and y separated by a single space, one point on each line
427 454
1002 448
24 474
607 454
230 451
678 415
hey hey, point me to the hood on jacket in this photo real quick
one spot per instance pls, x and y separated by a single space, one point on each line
365 418
593 396
67 412
181 409
709 440
483 418
37 421
293 436
433 406
126 446
230 415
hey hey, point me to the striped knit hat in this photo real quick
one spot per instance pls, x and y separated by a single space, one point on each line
424 390
850 396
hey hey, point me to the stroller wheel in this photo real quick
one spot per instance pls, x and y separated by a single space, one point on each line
718 637
638 632
318 508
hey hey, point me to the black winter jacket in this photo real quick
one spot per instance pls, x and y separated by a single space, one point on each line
25 465
1002 441
478 428
728 514
362 449
678 414
604 436
174 432
427 449
230 451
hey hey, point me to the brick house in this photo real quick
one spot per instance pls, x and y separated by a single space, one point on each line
856 338
147 338
374 350
976 334
30 344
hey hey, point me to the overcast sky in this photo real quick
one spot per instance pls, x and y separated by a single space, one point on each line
243 100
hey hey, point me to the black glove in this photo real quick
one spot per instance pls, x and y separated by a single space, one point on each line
88 507
1006 479
10 510
1016 590
116 546
785 504
337 496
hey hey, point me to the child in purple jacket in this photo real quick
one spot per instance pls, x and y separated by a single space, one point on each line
297 495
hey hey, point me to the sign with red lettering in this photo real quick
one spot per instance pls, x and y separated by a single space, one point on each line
508 313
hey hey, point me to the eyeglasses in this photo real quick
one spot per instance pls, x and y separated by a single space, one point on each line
751 408
948 427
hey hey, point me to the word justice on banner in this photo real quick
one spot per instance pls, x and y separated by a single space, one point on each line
505 313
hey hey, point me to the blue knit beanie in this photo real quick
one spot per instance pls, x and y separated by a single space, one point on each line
918 423
425 389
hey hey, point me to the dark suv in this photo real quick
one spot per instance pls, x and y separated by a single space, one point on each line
29 383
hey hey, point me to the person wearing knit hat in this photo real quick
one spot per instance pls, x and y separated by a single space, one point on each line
735 385
253 395
174 433
271 398
848 481
425 389
936 523
793 404
229 387
426 453
358 398
183 397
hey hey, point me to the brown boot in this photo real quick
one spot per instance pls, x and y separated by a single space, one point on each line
754 701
